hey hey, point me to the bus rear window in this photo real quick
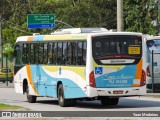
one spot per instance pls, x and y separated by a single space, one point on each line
117 47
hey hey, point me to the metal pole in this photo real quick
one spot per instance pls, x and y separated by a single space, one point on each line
1 39
152 72
120 21
158 17
7 69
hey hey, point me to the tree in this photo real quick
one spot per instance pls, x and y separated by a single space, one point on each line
139 15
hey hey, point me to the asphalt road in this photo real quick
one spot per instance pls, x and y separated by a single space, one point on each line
143 103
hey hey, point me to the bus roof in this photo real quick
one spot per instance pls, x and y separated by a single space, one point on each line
153 37
73 35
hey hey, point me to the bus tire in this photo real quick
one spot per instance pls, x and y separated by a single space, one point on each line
72 102
109 101
61 99
30 98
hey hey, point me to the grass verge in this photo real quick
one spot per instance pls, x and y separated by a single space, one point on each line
8 107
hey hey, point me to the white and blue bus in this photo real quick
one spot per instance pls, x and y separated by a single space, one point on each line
77 64
153 62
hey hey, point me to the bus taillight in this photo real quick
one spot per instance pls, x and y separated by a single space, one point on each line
92 82
143 78
148 72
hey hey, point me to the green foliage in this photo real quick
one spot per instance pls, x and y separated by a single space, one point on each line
138 16
8 107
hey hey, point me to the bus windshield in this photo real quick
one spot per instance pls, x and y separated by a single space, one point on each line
117 47
153 45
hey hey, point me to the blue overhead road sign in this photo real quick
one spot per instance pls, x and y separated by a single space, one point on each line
40 25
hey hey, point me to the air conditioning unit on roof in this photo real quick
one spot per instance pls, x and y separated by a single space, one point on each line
80 30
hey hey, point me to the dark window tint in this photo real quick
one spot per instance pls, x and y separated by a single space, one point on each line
84 53
36 53
24 55
42 53
18 52
32 53
40 58
72 53
50 57
59 55
81 56
54 52
64 53
45 54
117 47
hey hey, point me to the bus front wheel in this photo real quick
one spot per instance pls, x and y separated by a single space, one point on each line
30 98
109 101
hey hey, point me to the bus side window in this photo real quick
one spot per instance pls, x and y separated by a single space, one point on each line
69 54
72 53
64 53
49 54
45 54
54 52
80 53
36 52
27 53
59 55
18 55
40 57
84 51
81 56
24 54
32 53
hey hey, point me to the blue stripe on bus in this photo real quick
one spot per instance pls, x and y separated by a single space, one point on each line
38 38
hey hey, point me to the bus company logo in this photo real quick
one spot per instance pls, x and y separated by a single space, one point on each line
21 114
98 70
118 77
6 114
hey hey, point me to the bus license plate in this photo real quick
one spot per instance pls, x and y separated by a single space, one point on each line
118 92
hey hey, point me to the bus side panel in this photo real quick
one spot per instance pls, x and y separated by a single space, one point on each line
42 81
45 81
20 76
18 83
73 80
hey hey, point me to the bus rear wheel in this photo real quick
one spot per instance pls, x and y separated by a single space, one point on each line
61 98
30 98
109 101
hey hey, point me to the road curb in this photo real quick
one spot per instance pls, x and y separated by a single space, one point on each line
152 95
